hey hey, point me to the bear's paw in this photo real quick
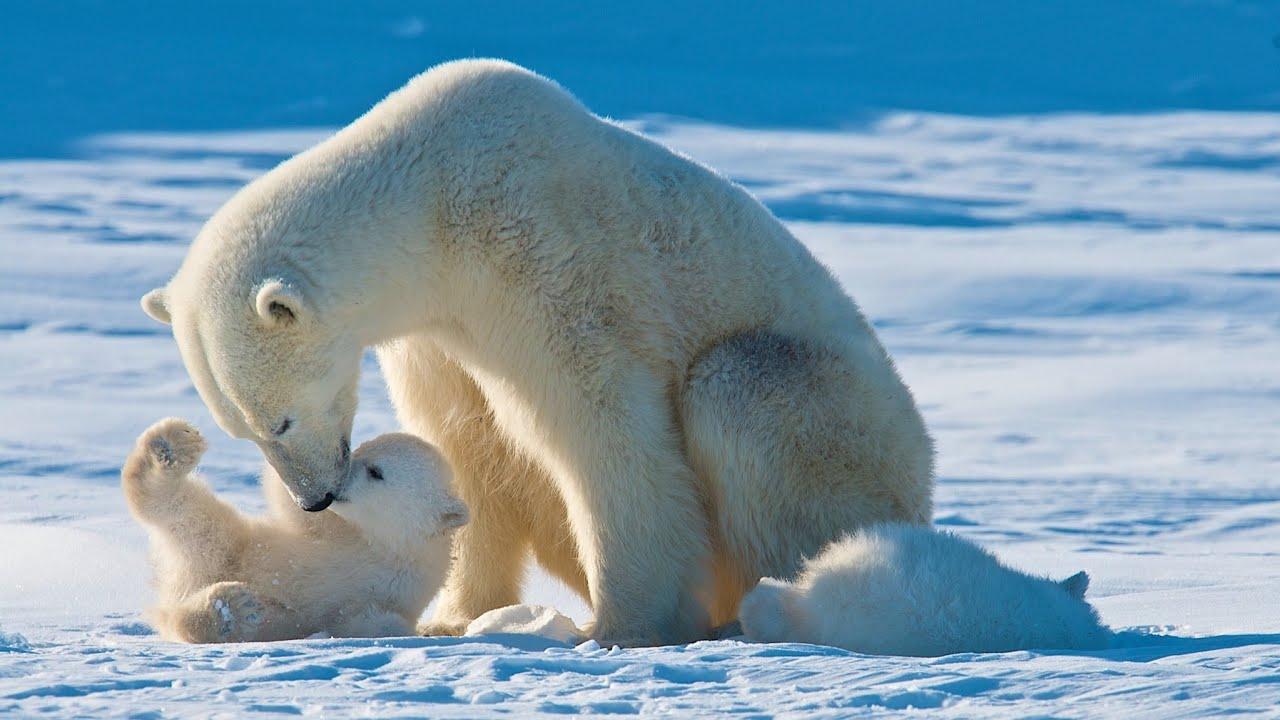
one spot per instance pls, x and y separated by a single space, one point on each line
236 612
174 444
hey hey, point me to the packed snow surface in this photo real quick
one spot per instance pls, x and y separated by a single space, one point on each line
1087 307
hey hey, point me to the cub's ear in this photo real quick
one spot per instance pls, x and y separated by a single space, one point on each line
1076 585
278 303
155 305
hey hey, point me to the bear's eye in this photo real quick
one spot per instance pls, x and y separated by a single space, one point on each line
375 472
283 427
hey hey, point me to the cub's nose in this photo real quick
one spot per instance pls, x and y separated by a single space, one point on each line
324 502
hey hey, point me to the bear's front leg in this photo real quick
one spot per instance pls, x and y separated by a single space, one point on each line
438 401
637 516
192 528
155 475
489 555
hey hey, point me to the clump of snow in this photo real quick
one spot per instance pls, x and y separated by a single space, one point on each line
539 620
13 642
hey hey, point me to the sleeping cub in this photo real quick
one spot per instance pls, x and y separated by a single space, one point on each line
367 567
897 589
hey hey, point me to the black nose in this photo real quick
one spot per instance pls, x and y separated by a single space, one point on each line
326 502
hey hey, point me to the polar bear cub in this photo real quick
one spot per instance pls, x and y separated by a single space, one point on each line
366 568
898 589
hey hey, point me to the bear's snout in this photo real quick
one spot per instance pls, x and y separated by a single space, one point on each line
324 503
313 487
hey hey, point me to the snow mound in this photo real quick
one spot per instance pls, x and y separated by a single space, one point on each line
538 620
13 642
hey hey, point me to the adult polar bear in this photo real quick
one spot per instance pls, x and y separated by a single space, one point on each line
638 373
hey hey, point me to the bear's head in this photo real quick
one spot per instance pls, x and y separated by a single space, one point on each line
399 494
271 370
273 306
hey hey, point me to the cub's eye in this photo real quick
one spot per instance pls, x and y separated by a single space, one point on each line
375 472
283 427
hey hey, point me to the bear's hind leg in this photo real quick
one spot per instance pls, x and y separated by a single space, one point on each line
797 445
222 612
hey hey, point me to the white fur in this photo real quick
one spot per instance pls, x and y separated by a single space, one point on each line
898 589
367 568
638 374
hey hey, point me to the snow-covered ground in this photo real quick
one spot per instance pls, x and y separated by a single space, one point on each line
1087 307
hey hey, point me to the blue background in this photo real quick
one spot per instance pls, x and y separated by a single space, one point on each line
71 69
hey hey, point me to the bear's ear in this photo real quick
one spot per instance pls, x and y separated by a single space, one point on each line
278 303
155 305
1076 585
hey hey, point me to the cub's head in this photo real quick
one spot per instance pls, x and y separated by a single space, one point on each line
398 493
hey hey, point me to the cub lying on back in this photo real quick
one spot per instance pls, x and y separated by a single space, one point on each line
897 589
366 568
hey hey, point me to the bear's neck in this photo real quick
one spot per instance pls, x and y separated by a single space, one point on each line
360 236
416 553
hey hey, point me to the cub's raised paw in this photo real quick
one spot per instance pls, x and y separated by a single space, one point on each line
236 612
174 444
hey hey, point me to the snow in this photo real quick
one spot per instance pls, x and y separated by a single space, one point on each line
1085 305
540 620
